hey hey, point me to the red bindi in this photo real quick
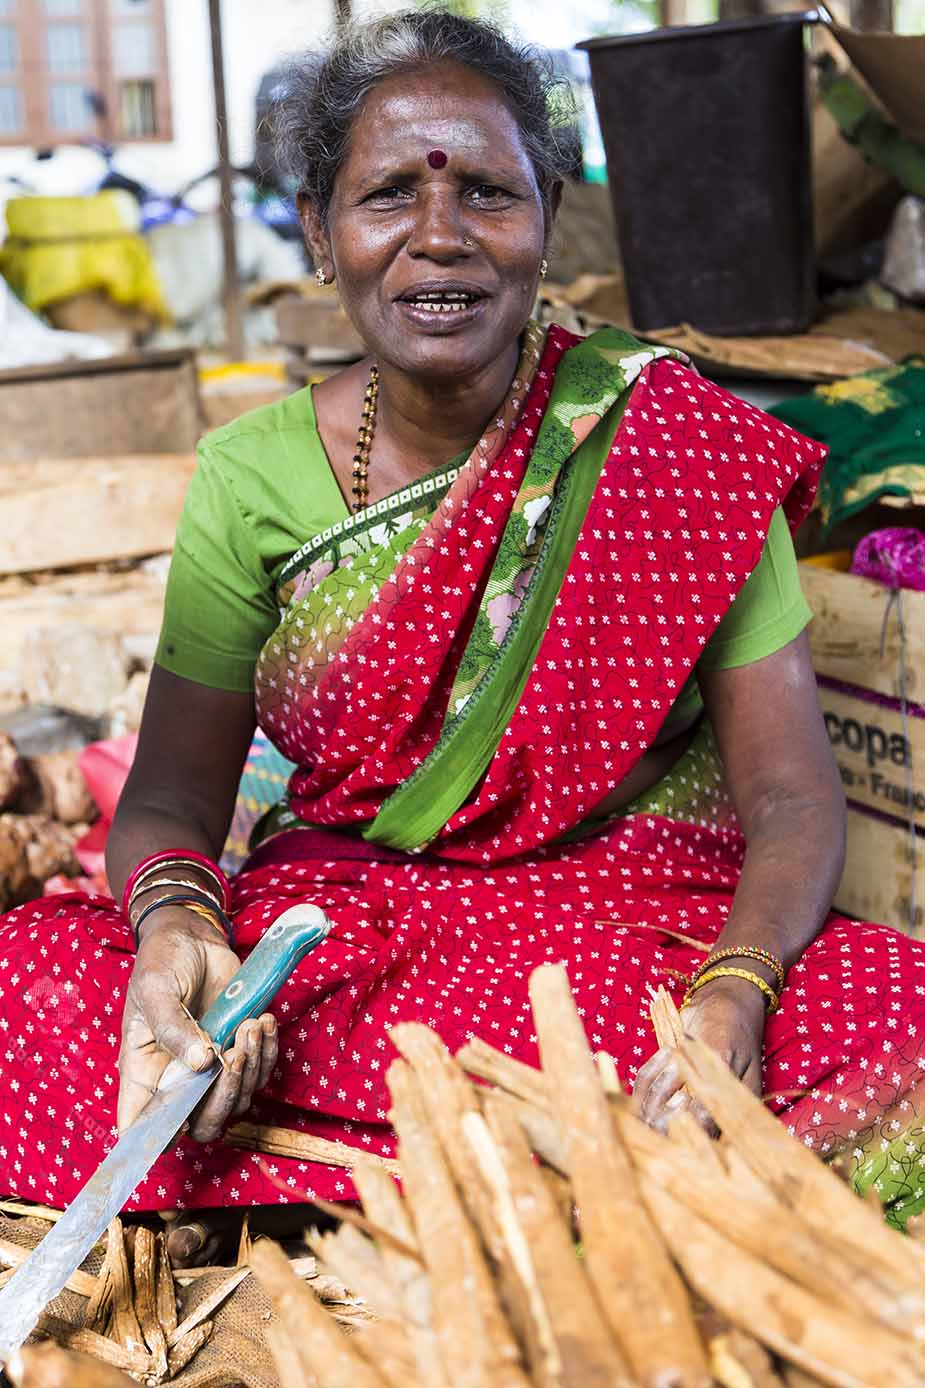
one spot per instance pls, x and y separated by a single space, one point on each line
437 159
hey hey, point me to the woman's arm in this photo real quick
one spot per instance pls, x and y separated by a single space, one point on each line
789 800
181 790
180 795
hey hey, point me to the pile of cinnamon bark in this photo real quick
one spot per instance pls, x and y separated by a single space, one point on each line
542 1237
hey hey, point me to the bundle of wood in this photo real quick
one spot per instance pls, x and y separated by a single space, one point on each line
45 807
620 1257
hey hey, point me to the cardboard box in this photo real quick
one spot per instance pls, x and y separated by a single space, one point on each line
865 648
144 402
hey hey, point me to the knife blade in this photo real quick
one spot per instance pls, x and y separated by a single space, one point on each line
42 1276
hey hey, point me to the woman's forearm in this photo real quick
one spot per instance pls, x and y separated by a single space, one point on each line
793 864
140 830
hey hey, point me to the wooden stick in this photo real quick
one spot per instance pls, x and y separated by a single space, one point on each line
585 1348
96 1315
792 1172
385 1207
478 1348
49 1366
302 1267
325 1354
844 1350
450 1098
125 1328
739 1361
355 1259
22 1207
146 1298
188 1347
166 1289
289 1368
136 1362
13 1254
523 1081
638 1287
769 1230
245 1241
665 1018
289 1142
209 1304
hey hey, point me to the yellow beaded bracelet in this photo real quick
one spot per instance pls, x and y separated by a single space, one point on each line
725 971
756 952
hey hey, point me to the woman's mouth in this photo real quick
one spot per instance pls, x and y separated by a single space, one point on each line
440 308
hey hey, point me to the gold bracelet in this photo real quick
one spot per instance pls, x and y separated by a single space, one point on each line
756 952
727 972
153 884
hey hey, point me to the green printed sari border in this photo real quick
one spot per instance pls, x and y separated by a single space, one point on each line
420 807
430 488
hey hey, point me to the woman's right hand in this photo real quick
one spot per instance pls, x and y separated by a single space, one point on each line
182 966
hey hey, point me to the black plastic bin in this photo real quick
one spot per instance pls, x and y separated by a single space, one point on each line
707 135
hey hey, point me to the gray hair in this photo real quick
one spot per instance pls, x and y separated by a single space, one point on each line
322 96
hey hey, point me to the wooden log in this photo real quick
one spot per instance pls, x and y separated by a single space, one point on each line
768 1230
844 1350
587 1354
125 1328
289 1142
478 1349
210 1303
639 1290
289 1367
145 1268
13 1254
739 1361
449 1098
357 1261
637 1285
136 1362
186 1348
49 1366
794 1174
523 1081
385 1207
166 1288
325 1354
83 511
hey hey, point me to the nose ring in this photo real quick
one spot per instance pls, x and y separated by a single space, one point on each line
467 242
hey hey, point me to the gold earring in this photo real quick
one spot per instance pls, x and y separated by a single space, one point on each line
544 266
321 277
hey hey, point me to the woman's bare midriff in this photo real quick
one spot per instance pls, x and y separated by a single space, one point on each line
647 772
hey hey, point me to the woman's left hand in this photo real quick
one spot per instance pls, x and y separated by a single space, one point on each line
727 1014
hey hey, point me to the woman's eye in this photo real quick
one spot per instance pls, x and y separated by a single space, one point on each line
390 194
488 193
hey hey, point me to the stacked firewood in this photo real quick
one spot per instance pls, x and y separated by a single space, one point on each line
44 808
620 1257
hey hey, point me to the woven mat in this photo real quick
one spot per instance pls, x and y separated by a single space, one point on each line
238 1343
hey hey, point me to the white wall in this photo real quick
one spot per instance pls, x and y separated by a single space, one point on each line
257 33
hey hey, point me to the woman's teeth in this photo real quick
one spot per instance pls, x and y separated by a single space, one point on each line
445 303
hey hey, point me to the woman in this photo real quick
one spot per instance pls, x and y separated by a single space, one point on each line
480 588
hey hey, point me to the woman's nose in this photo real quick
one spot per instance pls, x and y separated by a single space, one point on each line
438 229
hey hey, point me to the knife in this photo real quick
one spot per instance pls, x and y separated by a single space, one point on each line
42 1276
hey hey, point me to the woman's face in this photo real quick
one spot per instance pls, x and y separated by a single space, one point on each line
436 266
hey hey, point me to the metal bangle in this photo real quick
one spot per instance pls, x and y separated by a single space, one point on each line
177 899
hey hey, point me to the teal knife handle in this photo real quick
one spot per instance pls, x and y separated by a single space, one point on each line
291 936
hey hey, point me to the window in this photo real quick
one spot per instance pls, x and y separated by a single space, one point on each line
78 69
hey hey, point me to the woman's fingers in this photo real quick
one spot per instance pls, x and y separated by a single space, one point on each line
220 1102
269 1049
250 1036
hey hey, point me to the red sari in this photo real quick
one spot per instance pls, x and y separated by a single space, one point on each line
453 729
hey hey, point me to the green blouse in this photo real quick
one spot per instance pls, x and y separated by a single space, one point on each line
264 486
